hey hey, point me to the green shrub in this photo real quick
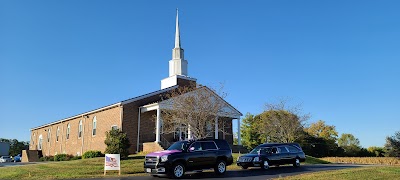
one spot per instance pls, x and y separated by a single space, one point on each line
92 154
76 158
47 158
117 143
62 157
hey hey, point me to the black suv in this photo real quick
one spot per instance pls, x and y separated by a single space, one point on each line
183 156
269 154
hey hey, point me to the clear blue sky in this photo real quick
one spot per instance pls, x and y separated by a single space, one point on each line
341 59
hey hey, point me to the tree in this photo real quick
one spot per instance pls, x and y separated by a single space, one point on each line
376 151
350 144
281 122
250 135
195 107
392 145
117 143
325 137
322 130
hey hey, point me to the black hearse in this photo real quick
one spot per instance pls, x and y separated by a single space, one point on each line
269 154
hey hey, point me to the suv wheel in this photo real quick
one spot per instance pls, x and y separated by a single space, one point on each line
296 163
220 167
244 167
177 170
265 165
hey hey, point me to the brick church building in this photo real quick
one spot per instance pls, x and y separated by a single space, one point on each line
86 131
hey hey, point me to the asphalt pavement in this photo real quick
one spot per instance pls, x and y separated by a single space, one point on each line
252 173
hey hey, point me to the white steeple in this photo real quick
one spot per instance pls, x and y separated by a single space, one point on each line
178 74
178 64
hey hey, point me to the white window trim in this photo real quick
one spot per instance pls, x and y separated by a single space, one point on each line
80 127
94 125
48 135
68 131
58 133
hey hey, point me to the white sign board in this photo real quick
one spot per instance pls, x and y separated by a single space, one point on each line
112 162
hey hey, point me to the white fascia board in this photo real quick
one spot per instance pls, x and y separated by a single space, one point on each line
109 106
148 95
77 116
227 111
149 107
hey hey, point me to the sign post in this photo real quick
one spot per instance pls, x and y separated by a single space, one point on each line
112 162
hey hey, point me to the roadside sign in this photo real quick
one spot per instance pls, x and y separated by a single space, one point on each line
112 162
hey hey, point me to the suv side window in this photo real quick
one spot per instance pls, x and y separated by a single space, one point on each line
292 149
209 145
283 149
274 150
223 145
197 146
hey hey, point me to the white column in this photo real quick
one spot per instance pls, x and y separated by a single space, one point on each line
216 127
158 125
189 132
238 132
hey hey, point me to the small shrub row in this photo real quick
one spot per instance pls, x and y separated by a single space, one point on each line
60 157
47 158
92 154
364 160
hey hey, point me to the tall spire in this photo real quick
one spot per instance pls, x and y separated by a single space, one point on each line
177 35
178 65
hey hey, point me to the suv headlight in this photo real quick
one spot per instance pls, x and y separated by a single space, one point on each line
256 159
164 158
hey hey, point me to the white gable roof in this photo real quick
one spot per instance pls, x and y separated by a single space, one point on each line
227 111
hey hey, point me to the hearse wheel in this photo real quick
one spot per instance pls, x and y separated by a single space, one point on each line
177 170
265 165
220 167
296 163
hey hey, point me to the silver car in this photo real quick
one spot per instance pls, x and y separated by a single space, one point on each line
5 159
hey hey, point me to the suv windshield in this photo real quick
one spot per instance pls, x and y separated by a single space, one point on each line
180 145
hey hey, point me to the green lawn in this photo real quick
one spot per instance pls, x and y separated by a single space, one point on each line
377 172
89 168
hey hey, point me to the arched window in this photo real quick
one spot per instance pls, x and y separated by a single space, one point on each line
40 142
57 133
48 135
68 130
94 127
80 129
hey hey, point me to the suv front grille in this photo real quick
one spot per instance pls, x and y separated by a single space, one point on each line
151 160
245 159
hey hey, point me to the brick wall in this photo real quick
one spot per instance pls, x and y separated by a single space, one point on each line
77 145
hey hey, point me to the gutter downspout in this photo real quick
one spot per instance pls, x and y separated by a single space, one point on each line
83 132
138 131
121 113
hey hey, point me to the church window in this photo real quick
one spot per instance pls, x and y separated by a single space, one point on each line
48 135
94 126
40 142
80 129
57 133
68 130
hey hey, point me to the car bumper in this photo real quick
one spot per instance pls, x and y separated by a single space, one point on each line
249 164
157 169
